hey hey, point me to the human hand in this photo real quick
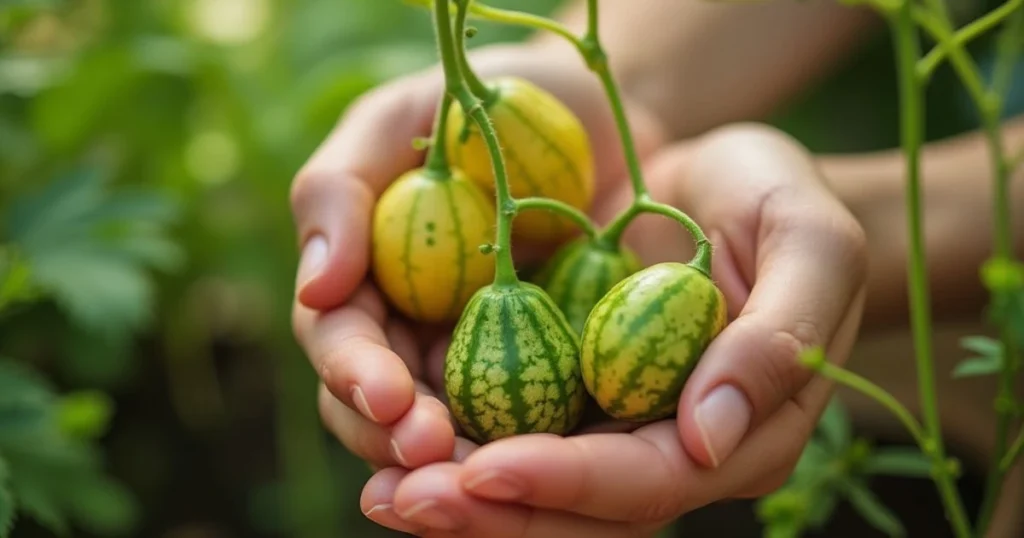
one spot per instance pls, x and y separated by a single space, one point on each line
791 262
379 374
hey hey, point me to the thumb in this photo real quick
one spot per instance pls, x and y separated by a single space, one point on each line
334 194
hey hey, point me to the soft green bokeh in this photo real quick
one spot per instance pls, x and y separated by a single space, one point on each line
146 153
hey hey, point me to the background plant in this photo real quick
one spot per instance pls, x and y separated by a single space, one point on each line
195 403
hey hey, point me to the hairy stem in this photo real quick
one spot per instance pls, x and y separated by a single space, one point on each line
505 272
556 206
702 259
437 156
908 54
476 86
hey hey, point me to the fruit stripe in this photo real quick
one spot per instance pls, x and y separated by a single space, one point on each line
513 367
460 242
574 173
407 256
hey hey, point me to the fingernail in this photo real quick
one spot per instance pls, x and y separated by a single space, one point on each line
377 509
428 513
397 454
722 418
314 254
496 485
359 398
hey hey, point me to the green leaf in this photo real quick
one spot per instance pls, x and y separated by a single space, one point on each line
871 508
85 414
1002 275
898 461
982 345
103 506
821 507
978 366
15 279
835 425
42 506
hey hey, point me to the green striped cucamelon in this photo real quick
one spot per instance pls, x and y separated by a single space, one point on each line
546 149
427 232
582 272
512 367
644 338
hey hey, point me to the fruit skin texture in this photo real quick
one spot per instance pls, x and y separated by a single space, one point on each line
643 339
513 366
427 234
546 149
582 272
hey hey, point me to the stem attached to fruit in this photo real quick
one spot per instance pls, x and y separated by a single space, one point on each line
437 157
556 206
476 86
912 137
455 85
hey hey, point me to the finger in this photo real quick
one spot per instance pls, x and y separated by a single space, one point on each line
403 342
424 435
333 195
376 501
645 477
349 350
432 498
805 258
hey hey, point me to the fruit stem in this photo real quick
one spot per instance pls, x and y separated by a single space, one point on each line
455 85
556 206
476 86
912 134
437 157
702 258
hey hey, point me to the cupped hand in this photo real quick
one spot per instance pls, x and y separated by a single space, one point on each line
380 375
791 261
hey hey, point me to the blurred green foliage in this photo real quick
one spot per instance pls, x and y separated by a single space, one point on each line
147 251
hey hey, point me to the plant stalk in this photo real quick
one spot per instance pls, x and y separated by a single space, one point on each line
566 210
505 272
437 157
908 54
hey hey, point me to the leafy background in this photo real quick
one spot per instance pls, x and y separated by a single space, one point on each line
149 381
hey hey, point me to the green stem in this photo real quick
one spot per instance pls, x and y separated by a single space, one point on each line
475 84
912 134
437 156
873 391
556 206
1003 240
505 272
927 66
702 259
966 69
1015 452
1008 48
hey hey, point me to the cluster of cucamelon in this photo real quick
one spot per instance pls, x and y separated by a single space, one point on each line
593 324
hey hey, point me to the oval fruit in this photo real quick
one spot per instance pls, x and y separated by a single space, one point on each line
643 339
582 272
513 366
546 150
427 232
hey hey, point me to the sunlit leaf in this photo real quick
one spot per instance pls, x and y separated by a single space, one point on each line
898 461
982 345
85 414
871 509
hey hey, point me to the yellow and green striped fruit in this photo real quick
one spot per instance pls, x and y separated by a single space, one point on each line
581 273
644 338
513 366
546 150
427 232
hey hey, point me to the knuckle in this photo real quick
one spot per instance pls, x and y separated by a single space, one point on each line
782 369
658 511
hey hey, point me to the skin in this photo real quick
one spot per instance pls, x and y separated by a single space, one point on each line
777 214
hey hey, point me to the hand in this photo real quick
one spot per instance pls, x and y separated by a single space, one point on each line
379 375
792 263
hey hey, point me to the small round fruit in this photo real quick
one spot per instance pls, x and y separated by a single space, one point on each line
513 366
427 232
546 150
644 338
582 272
